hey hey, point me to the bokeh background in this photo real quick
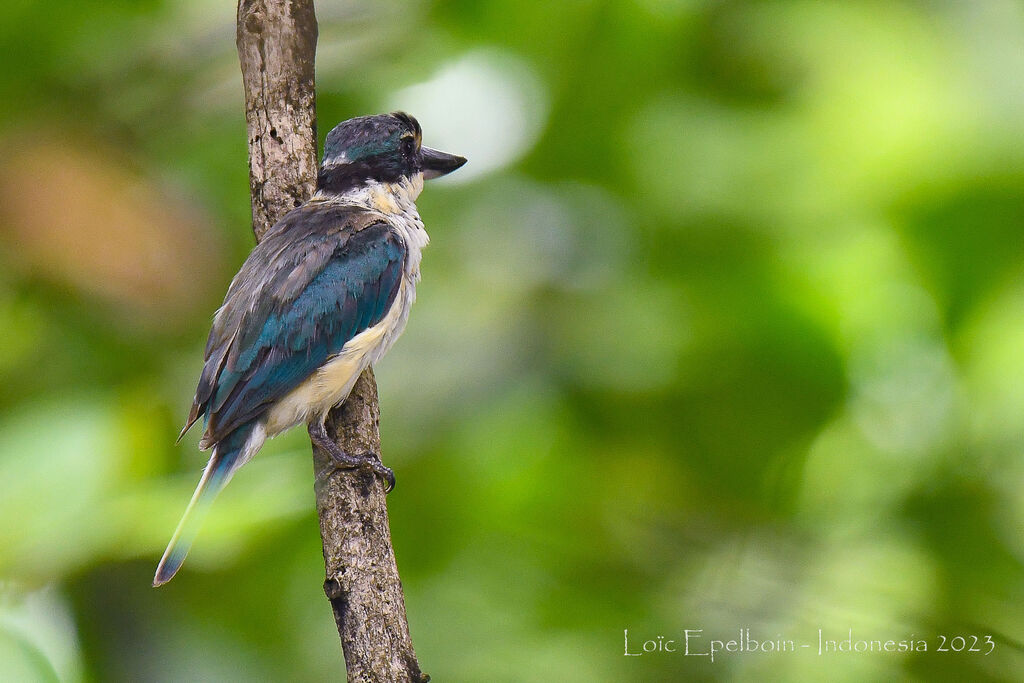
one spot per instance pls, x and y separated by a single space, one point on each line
721 328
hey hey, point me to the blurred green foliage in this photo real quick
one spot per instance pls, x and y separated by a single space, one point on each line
721 328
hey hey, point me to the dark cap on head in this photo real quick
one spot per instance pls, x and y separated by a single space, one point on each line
366 136
383 148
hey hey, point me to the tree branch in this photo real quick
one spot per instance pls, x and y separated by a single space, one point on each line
277 47
276 42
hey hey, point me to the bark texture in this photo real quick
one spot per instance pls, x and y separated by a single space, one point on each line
276 47
362 577
276 42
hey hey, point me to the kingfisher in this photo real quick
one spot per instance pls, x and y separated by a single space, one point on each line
322 297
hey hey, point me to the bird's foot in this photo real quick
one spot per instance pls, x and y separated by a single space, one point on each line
371 461
344 461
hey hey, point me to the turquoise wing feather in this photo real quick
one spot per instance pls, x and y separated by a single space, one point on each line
296 302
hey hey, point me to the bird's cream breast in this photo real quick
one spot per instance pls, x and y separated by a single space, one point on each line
332 382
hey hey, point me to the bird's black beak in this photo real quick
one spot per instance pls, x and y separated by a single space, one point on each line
436 163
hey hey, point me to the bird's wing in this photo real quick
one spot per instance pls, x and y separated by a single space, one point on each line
321 276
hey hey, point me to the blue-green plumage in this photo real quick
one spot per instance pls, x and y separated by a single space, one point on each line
332 296
321 297
215 477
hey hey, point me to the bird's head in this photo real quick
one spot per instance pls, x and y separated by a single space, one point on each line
385 149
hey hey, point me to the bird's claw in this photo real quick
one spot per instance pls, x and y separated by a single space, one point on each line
366 461
382 471
344 461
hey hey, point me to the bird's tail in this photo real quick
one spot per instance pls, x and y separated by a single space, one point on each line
228 456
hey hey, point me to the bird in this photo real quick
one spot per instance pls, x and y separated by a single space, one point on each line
321 297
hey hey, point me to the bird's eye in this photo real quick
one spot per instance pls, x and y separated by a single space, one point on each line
408 146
